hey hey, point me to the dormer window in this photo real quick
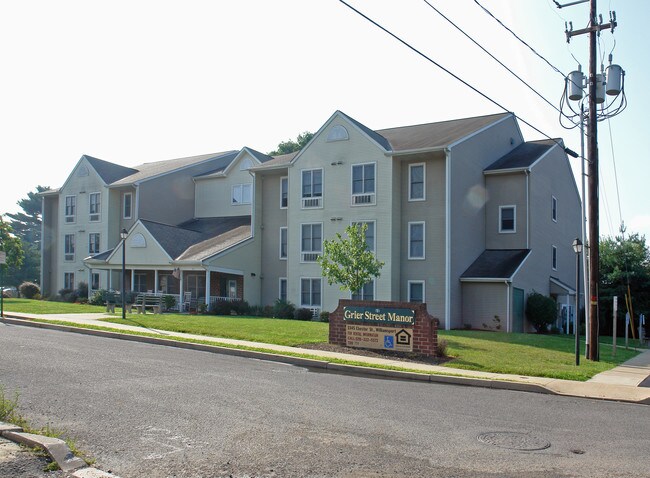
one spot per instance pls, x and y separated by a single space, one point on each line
241 194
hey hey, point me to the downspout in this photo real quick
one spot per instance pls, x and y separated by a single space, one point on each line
42 275
447 238
508 321
527 209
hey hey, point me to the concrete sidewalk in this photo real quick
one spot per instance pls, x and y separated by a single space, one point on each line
619 384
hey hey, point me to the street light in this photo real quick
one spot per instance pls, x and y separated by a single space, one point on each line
123 234
577 248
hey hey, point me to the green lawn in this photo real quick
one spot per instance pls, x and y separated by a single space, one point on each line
528 354
256 329
49 307
519 354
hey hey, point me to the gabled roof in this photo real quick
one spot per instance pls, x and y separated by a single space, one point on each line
523 156
217 244
376 136
277 162
221 164
109 172
150 170
179 241
436 135
498 264
261 157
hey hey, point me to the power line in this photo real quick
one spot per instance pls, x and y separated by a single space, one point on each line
518 38
493 57
618 194
453 75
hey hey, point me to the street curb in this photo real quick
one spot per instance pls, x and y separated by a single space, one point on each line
357 370
56 448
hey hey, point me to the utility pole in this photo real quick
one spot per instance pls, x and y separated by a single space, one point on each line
596 96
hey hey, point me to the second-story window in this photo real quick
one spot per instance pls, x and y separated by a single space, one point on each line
242 194
127 212
284 192
312 188
95 206
416 240
554 258
68 247
311 242
283 243
507 219
370 233
93 243
70 208
363 184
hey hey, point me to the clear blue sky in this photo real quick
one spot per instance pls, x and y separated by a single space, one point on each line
131 82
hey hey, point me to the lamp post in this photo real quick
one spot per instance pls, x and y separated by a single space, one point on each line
577 248
123 234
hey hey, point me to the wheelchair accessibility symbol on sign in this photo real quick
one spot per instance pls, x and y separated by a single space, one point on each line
389 342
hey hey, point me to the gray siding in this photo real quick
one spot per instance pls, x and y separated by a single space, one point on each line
467 208
485 305
506 190
272 218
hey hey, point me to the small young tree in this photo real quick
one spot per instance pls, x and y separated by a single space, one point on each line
348 262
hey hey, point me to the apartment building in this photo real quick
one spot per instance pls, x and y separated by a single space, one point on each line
466 216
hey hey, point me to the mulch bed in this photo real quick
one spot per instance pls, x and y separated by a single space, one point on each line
411 357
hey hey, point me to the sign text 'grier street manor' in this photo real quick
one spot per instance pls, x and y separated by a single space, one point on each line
381 316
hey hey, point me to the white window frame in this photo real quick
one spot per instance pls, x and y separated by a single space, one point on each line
554 257
554 208
514 219
408 289
95 278
374 289
95 216
284 184
72 217
312 201
311 292
130 215
67 281
241 188
424 241
310 252
96 243
286 243
424 182
69 247
282 280
232 288
374 229
363 198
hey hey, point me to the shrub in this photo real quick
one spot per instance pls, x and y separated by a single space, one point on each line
441 350
303 314
82 289
240 307
324 316
67 295
169 301
541 311
29 290
283 309
220 307
98 297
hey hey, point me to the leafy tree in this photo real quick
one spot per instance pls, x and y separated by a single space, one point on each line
623 259
27 224
348 262
290 146
27 227
11 245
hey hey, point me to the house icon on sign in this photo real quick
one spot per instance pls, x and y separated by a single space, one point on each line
403 337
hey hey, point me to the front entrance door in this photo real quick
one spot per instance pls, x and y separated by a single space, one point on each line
518 310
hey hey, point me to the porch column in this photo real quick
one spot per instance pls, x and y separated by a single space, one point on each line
182 290
90 281
132 279
155 281
207 287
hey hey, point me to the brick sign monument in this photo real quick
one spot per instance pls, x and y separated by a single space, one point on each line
396 326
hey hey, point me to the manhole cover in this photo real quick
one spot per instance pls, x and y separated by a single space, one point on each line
514 441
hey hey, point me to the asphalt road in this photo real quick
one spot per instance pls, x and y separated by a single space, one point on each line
154 411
